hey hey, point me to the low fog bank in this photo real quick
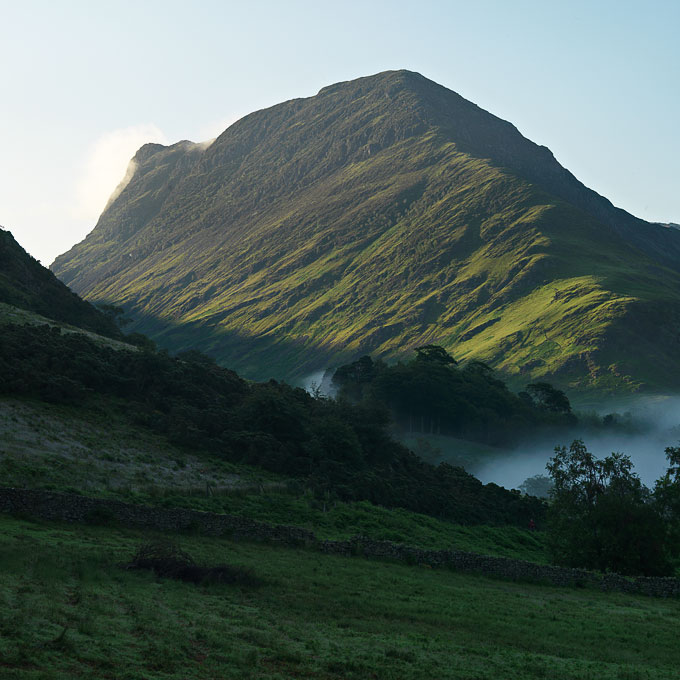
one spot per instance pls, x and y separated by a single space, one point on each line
649 425
319 383
644 427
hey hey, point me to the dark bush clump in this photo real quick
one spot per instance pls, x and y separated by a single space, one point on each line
168 560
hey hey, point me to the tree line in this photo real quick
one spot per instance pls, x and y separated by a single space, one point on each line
338 446
432 394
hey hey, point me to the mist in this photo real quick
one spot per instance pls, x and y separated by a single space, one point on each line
319 383
129 174
108 159
645 426
654 424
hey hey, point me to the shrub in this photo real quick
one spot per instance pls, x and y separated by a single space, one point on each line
168 560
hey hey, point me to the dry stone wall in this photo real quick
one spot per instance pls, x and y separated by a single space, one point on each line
61 507
53 506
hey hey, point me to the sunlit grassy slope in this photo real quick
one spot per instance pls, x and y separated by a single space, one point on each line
68 610
383 214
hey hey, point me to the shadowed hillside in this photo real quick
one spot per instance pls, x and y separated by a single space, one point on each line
383 214
26 284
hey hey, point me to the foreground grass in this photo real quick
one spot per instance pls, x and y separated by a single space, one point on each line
67 610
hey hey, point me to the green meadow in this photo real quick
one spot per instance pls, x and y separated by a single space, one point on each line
69 610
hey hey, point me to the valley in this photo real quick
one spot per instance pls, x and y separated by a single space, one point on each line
388 389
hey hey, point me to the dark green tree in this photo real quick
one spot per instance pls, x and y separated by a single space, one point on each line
430 394
434 354
351 378
601 516
538 485
667 497
114 313
548 397
485 371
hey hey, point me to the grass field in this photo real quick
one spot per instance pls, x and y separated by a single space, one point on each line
96 452
68 611
344 520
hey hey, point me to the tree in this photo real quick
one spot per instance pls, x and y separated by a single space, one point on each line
601 516
667 497
431 394
485 371
114 313
545 396
539 486
351 378
435 354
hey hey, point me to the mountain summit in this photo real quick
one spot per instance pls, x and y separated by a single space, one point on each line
382 214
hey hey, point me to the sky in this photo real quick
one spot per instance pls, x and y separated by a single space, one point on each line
83 85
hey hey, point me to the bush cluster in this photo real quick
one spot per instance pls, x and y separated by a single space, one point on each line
602 516
168 560
338 446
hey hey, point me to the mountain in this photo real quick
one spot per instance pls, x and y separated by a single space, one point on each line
383 214
26 284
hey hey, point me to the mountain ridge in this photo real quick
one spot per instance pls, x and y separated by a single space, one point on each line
383 213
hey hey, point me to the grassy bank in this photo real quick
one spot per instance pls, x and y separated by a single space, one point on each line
67 610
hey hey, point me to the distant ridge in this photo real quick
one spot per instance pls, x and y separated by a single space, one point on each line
381 214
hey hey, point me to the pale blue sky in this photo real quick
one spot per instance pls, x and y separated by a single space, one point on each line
82 84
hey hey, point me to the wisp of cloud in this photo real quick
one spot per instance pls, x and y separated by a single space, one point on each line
108 159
